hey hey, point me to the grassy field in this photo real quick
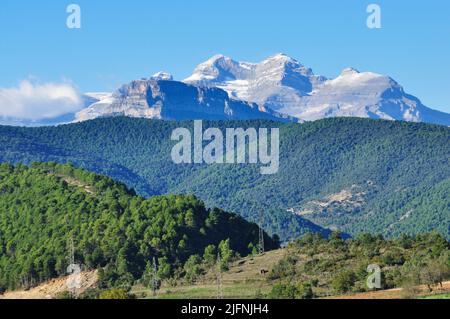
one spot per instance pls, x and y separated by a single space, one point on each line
242 280
438 296
420 292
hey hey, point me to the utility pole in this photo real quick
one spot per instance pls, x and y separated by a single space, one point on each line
261 235
71 251
219 278
72 286
154 277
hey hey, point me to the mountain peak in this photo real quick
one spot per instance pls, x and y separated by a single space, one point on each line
162 76
349 71
216 69
216 61
256 82
281 56
283 59
218 57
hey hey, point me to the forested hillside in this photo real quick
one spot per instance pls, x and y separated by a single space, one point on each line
355 175
45 206
317 267
314 266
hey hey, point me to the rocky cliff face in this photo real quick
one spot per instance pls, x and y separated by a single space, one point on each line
172 100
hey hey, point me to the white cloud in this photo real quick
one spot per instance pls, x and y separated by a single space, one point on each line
33 101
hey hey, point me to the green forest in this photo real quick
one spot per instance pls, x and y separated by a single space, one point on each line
46 206
401 171
314 266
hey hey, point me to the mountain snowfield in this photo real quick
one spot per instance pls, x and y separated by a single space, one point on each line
278 75
285 85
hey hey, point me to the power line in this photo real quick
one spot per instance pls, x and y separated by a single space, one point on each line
154 277
219 278
261 235
71 251
72 285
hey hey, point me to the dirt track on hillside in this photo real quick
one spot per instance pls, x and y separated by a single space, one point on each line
53 287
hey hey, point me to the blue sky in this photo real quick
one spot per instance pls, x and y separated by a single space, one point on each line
123 40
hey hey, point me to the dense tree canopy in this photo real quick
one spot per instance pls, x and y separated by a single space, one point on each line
44 206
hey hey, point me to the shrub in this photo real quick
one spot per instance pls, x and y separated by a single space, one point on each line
63 295
115 294
305 291
193 268
283 291
344 282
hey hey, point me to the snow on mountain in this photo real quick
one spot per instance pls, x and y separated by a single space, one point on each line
162 76
279 88
283 84
97 96
99 104
278 74
171 100
364 94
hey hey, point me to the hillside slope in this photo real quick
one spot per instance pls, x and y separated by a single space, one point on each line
46 206
314 267
54 288
355 175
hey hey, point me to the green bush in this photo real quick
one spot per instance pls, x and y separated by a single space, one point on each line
193 268
344 281
115 294
305 291
283 291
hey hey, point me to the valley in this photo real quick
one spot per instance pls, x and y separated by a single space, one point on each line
349 193
53 216
401 171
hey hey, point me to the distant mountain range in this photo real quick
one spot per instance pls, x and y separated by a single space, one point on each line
279 88
283 84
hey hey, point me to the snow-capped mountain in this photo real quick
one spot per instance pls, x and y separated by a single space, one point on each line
283 84
279 88
162 76
161 98
279 75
